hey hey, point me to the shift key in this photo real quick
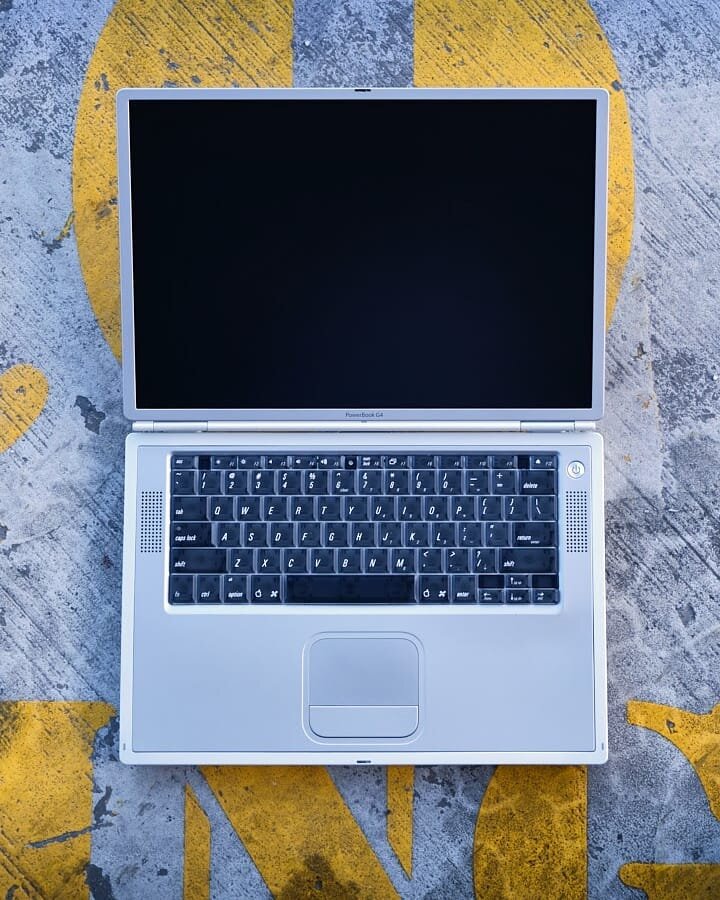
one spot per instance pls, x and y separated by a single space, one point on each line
529 560
198 560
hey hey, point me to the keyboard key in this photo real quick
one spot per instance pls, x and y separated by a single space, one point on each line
183 482
375 561
308 534
483 561
402 561
362 535
234 589
535 560
424 461
542 508
302 509
395 462
304 462
181 461
255 534
545 595
208 589
355 509
450 462
204 462
348 561
282 535
335 534
234 482
430 560
351 589
517 596
275 509
182 589
265 589
450 482
329 509
462 589
543 461
443 535
277 461
249 462
462 508
247 509
477 481
515 508
210 482
190 509
490 581
223 462
389 535
370 462
409 509
294 560
350 462
222 509
537 482
534 534
192 534
267 561
435 508
423 482
198 560
490 595
504 481
470 535
497 534
262 482
315 482
502 461
322 561
416 534
343 482
382 509
477 462
241 561
370 481
329 462
289 482
544 581
434 589
490 509
455 560
227 535
397 481
517 581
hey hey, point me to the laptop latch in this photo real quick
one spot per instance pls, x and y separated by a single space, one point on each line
557 426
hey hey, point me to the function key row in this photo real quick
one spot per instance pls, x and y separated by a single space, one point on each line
241 461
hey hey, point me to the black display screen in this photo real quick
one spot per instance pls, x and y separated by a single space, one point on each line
369 253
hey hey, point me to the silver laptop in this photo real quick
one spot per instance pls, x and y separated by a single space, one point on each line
363 358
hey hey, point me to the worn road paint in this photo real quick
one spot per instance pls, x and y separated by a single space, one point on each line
213 43
681 881
400 796
528 43
531 834
46 775
23 392
697 737
196 864
299 832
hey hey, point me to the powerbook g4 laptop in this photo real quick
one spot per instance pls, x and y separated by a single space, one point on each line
363 357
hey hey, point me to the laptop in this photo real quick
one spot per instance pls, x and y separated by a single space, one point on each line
363 353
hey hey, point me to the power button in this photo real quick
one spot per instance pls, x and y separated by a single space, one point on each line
576 469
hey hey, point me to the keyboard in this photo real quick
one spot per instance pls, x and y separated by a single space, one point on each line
353 528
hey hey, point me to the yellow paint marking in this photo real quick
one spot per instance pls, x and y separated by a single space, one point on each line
531 834
400 795
697 737
210 43
46 798
534 43
23 392
299 832
683 881
196 865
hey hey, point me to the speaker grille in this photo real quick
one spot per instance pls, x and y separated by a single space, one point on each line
151 519
576 521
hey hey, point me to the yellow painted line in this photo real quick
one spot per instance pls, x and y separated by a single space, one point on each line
299 832
534 43
681 881
196 865
400 795
697 737
531 835
46 796
209 43
23 392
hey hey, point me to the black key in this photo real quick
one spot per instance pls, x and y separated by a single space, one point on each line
329 462
348 561
415 534
477 482
477 462
402 561
450 482
463 589
534 534
322 561
241 561
315 482
329 509
435 508
455 560
355 509
198 560
249 462
450 462
370 481
422 462
542 509
517 596
282 535
262 482
183 482
308 534
504 481
343 482
362 535
275 509
277 462
181 461
409 509
397 481
235 482
266 589
543 461
182 589
430 561
289 482
208 589
423 482
304 462
497 534
209 482
545 595
350 589
517 581
537 482
375 561
395 462
335 534
382 509
370 462
535 560
255 534
545 581
302 509
462 508
234 589
204 462
294 560
192 534
470 535
189 509
433 589
222 509
389 535
490 595
503 461
523 462
247 509
490 581
515 508
351 462
443 535
223 462
227 535
267 562
490 509
483 561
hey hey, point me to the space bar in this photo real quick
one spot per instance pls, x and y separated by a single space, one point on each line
350 589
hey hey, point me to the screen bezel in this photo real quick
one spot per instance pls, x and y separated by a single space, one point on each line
382 417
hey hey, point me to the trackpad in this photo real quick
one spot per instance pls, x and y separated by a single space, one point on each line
363 687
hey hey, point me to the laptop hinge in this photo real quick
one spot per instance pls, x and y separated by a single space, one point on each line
557 426
360 427
170 426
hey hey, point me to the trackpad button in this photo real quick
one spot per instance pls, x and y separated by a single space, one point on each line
364 721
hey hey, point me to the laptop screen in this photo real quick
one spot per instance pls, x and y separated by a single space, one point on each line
363 254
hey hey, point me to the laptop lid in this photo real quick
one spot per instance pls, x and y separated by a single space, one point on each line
373 254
